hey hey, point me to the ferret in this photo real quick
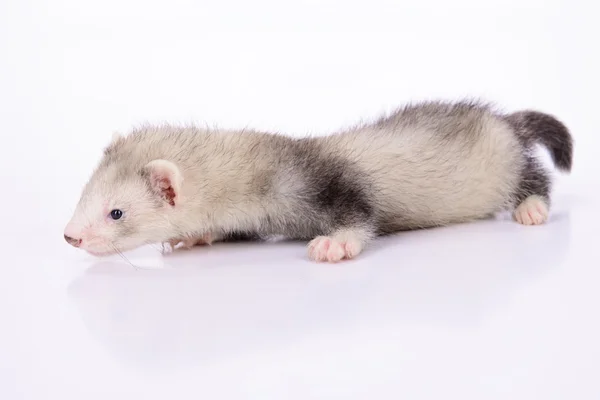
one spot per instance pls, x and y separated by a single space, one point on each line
425 165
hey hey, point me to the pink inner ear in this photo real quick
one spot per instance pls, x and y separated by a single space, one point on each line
164 186
169 194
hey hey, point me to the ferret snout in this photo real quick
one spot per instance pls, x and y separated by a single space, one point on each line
73 241
73 235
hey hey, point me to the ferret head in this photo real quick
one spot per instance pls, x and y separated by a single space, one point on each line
126 203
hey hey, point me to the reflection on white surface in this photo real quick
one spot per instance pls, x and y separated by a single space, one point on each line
489 310
211 303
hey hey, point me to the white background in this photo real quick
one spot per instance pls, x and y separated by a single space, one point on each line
490 310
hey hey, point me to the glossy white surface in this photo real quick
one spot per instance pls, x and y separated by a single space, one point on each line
489 310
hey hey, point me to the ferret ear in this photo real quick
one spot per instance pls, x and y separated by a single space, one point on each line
164 179
117 138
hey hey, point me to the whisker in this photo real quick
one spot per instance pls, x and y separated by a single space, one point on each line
153 245
122 256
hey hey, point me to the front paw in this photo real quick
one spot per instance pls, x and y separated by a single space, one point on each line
169 246
188 243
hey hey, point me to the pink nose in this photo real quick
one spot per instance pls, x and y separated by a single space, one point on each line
72 241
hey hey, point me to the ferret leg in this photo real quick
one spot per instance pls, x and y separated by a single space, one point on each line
533 195
208 238
189 242
342 244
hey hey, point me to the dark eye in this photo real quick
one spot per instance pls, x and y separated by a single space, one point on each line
116 214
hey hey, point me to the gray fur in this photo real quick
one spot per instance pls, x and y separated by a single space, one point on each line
536 127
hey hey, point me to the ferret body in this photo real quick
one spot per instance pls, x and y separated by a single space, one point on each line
426 165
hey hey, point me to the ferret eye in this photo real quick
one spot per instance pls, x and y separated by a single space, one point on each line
116 214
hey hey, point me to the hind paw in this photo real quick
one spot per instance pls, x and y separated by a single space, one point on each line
334 249
532 211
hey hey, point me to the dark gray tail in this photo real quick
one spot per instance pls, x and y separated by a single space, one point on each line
536 127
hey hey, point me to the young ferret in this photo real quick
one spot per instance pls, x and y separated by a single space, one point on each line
426 165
